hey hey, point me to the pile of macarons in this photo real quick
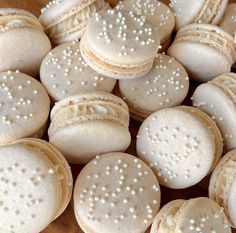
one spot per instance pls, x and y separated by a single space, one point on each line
74 80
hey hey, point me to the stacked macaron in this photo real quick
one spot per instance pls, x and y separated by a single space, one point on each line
177 146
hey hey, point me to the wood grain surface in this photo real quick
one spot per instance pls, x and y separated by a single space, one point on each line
66 223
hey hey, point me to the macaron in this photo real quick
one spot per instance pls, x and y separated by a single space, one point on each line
217 98
228 23
65 20
23 43
24 107
198 11
222 187
116 192
182 145
36 185
206 51
120 44
194 215
64 73
166 85
157 13
88 124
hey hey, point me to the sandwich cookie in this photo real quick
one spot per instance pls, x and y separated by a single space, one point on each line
194 215
217 98
23 44
166 85
120 44
116 192
228 22
24 107
65 20
182 145
64 73
198 11
222 186
36 185
88 124
157 13
206 51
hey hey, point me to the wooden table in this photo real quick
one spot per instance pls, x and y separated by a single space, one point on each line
66 223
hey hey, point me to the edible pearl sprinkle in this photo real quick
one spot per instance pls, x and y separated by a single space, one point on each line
64 73
122 197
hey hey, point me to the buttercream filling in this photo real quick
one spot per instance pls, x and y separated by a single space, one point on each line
134 68
228 172
228 85
209 11
211 39
77 21
90 110
15 21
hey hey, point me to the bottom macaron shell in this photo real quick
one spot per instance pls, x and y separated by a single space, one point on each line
232 204
202 62
83 141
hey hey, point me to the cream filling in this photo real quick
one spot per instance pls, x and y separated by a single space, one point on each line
77 21
209 11
211 39
90 110
129 69
228 84
17 21
228 172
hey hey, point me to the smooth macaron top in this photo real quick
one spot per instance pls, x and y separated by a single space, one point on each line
64 73
228 23
222 187
166 85
181 144
24 106
198 11
56 9
157 13
194 215
31 188
116 192
121 38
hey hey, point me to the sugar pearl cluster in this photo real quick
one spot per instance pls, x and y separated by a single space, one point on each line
121 27
51 4
16 98
115 187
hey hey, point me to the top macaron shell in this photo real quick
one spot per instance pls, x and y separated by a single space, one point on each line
27 188
20 33
166 85
116 192
109 36
24 106
64 73
157 13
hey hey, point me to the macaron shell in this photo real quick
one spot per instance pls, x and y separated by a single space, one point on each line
166 85
65 73
186 11
215 102
232 203
172 139
22 40
28 189
104 178
24 106
84 140
157 13
62 171
167 212
206 217
228 23
220 12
